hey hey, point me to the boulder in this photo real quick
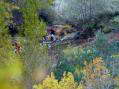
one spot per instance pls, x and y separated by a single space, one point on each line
72 36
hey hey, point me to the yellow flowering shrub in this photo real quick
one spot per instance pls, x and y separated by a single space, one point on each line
67 82
97 74
95 69
81 86
50 82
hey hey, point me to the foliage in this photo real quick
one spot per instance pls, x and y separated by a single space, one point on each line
101 42
103 45
117 82
11 74
97 75
5 17
74 58
33 54
79 54
67 82
74 12
36 62
62 66
33 28
115 20
10 63
90 25
114 23
6 49
82 64
10 66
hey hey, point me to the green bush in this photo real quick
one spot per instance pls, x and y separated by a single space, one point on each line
75 57
62 66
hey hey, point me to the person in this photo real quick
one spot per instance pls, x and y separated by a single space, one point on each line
17 47
52 32
53 37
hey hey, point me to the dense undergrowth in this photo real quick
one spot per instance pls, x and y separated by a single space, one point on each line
93 66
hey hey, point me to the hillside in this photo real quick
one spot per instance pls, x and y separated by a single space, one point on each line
59 44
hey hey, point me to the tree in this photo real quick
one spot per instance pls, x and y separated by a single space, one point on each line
10 63
33 27
34 55
5 17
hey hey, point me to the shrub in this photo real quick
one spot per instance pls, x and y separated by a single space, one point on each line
62 66
74 60
75 57
97 75
67 82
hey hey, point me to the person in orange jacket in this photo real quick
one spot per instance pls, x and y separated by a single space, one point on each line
17 46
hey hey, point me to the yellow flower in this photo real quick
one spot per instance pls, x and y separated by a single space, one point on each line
80 86
67 82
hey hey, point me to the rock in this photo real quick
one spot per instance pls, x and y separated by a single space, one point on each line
106 29
72 36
